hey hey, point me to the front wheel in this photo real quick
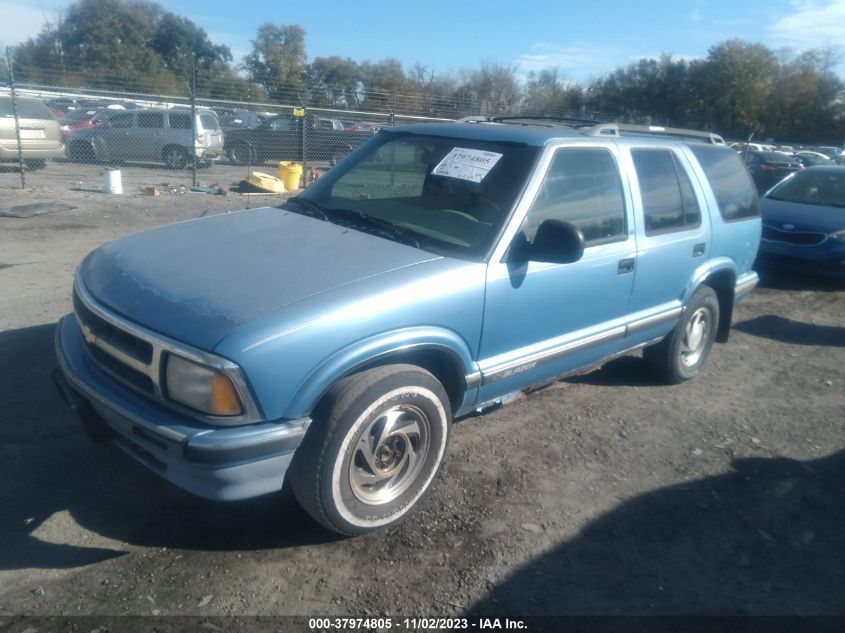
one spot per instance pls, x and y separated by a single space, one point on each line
377 440
684 351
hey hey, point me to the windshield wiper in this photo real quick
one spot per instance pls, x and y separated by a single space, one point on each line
368 222
310 208
356 219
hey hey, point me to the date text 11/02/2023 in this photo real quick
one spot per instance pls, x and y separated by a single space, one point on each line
436 624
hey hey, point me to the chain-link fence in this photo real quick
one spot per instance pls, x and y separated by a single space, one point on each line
105 136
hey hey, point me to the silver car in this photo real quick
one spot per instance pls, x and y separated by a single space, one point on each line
39 132
149 135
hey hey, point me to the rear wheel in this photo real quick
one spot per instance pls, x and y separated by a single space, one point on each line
175 157
376 443
81 152
241 154
684 351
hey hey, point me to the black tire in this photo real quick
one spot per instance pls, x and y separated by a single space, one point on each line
81 152
377 440
683 352
241 154
35 164
175 157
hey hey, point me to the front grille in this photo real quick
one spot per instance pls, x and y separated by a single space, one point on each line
122 371
798 238
127 343
118 352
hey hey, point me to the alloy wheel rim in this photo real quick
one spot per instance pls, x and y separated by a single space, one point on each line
389 454
695 337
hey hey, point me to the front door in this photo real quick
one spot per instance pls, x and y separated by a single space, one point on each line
543 319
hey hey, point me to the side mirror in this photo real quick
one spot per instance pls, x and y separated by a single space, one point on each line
556 242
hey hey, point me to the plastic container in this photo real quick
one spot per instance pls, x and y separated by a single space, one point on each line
290 174
266 182
112 182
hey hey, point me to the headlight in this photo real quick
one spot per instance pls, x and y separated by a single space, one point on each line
201 388
839 235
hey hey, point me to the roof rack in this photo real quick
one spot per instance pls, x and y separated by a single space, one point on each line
615 129
543 120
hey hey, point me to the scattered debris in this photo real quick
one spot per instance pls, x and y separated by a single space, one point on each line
205 600
265 182
532 527
151 191
697 452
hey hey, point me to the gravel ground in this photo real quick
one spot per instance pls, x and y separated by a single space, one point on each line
604 494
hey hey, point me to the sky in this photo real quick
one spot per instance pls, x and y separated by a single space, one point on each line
582 38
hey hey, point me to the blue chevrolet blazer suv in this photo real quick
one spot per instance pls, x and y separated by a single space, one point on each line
437 270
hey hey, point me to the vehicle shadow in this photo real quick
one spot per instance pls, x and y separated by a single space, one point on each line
49 468
629 371
785 330
764 539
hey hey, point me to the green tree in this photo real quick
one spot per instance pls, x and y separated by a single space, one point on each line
732 86
277 60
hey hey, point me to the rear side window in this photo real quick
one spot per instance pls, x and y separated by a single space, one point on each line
209 121
27 109
180 120
669 202
122 119
582 187
151 119
731 184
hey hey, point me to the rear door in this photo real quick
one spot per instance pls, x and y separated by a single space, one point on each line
673 237
116 137
148 135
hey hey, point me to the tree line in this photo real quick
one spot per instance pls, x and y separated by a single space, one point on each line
138 46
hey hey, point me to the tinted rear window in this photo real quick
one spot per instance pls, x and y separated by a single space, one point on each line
27 109
151 119
180 121
731 184
209 121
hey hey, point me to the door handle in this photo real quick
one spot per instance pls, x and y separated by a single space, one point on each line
626 266
698 249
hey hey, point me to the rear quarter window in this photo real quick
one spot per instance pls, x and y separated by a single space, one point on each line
27 109
735 193
209 121
180 120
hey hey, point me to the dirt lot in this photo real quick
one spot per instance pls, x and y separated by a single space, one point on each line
605 494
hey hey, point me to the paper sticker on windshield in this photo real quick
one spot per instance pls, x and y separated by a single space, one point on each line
467 164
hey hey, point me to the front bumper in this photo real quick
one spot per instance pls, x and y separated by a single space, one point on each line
825 259
218 463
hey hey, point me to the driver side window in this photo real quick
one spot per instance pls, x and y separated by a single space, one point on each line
582 187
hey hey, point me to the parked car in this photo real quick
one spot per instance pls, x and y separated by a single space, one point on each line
804 222
433 272
768 168
280 138
831 152
76 120
39 132
810 159
148 135
237 118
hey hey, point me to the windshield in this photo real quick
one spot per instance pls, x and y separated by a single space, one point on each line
822 187
452 195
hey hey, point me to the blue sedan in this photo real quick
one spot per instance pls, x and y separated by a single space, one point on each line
804 222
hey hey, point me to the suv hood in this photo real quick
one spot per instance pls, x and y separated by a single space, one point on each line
197 281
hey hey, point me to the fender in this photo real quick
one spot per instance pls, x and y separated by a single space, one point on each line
701 273
364 352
